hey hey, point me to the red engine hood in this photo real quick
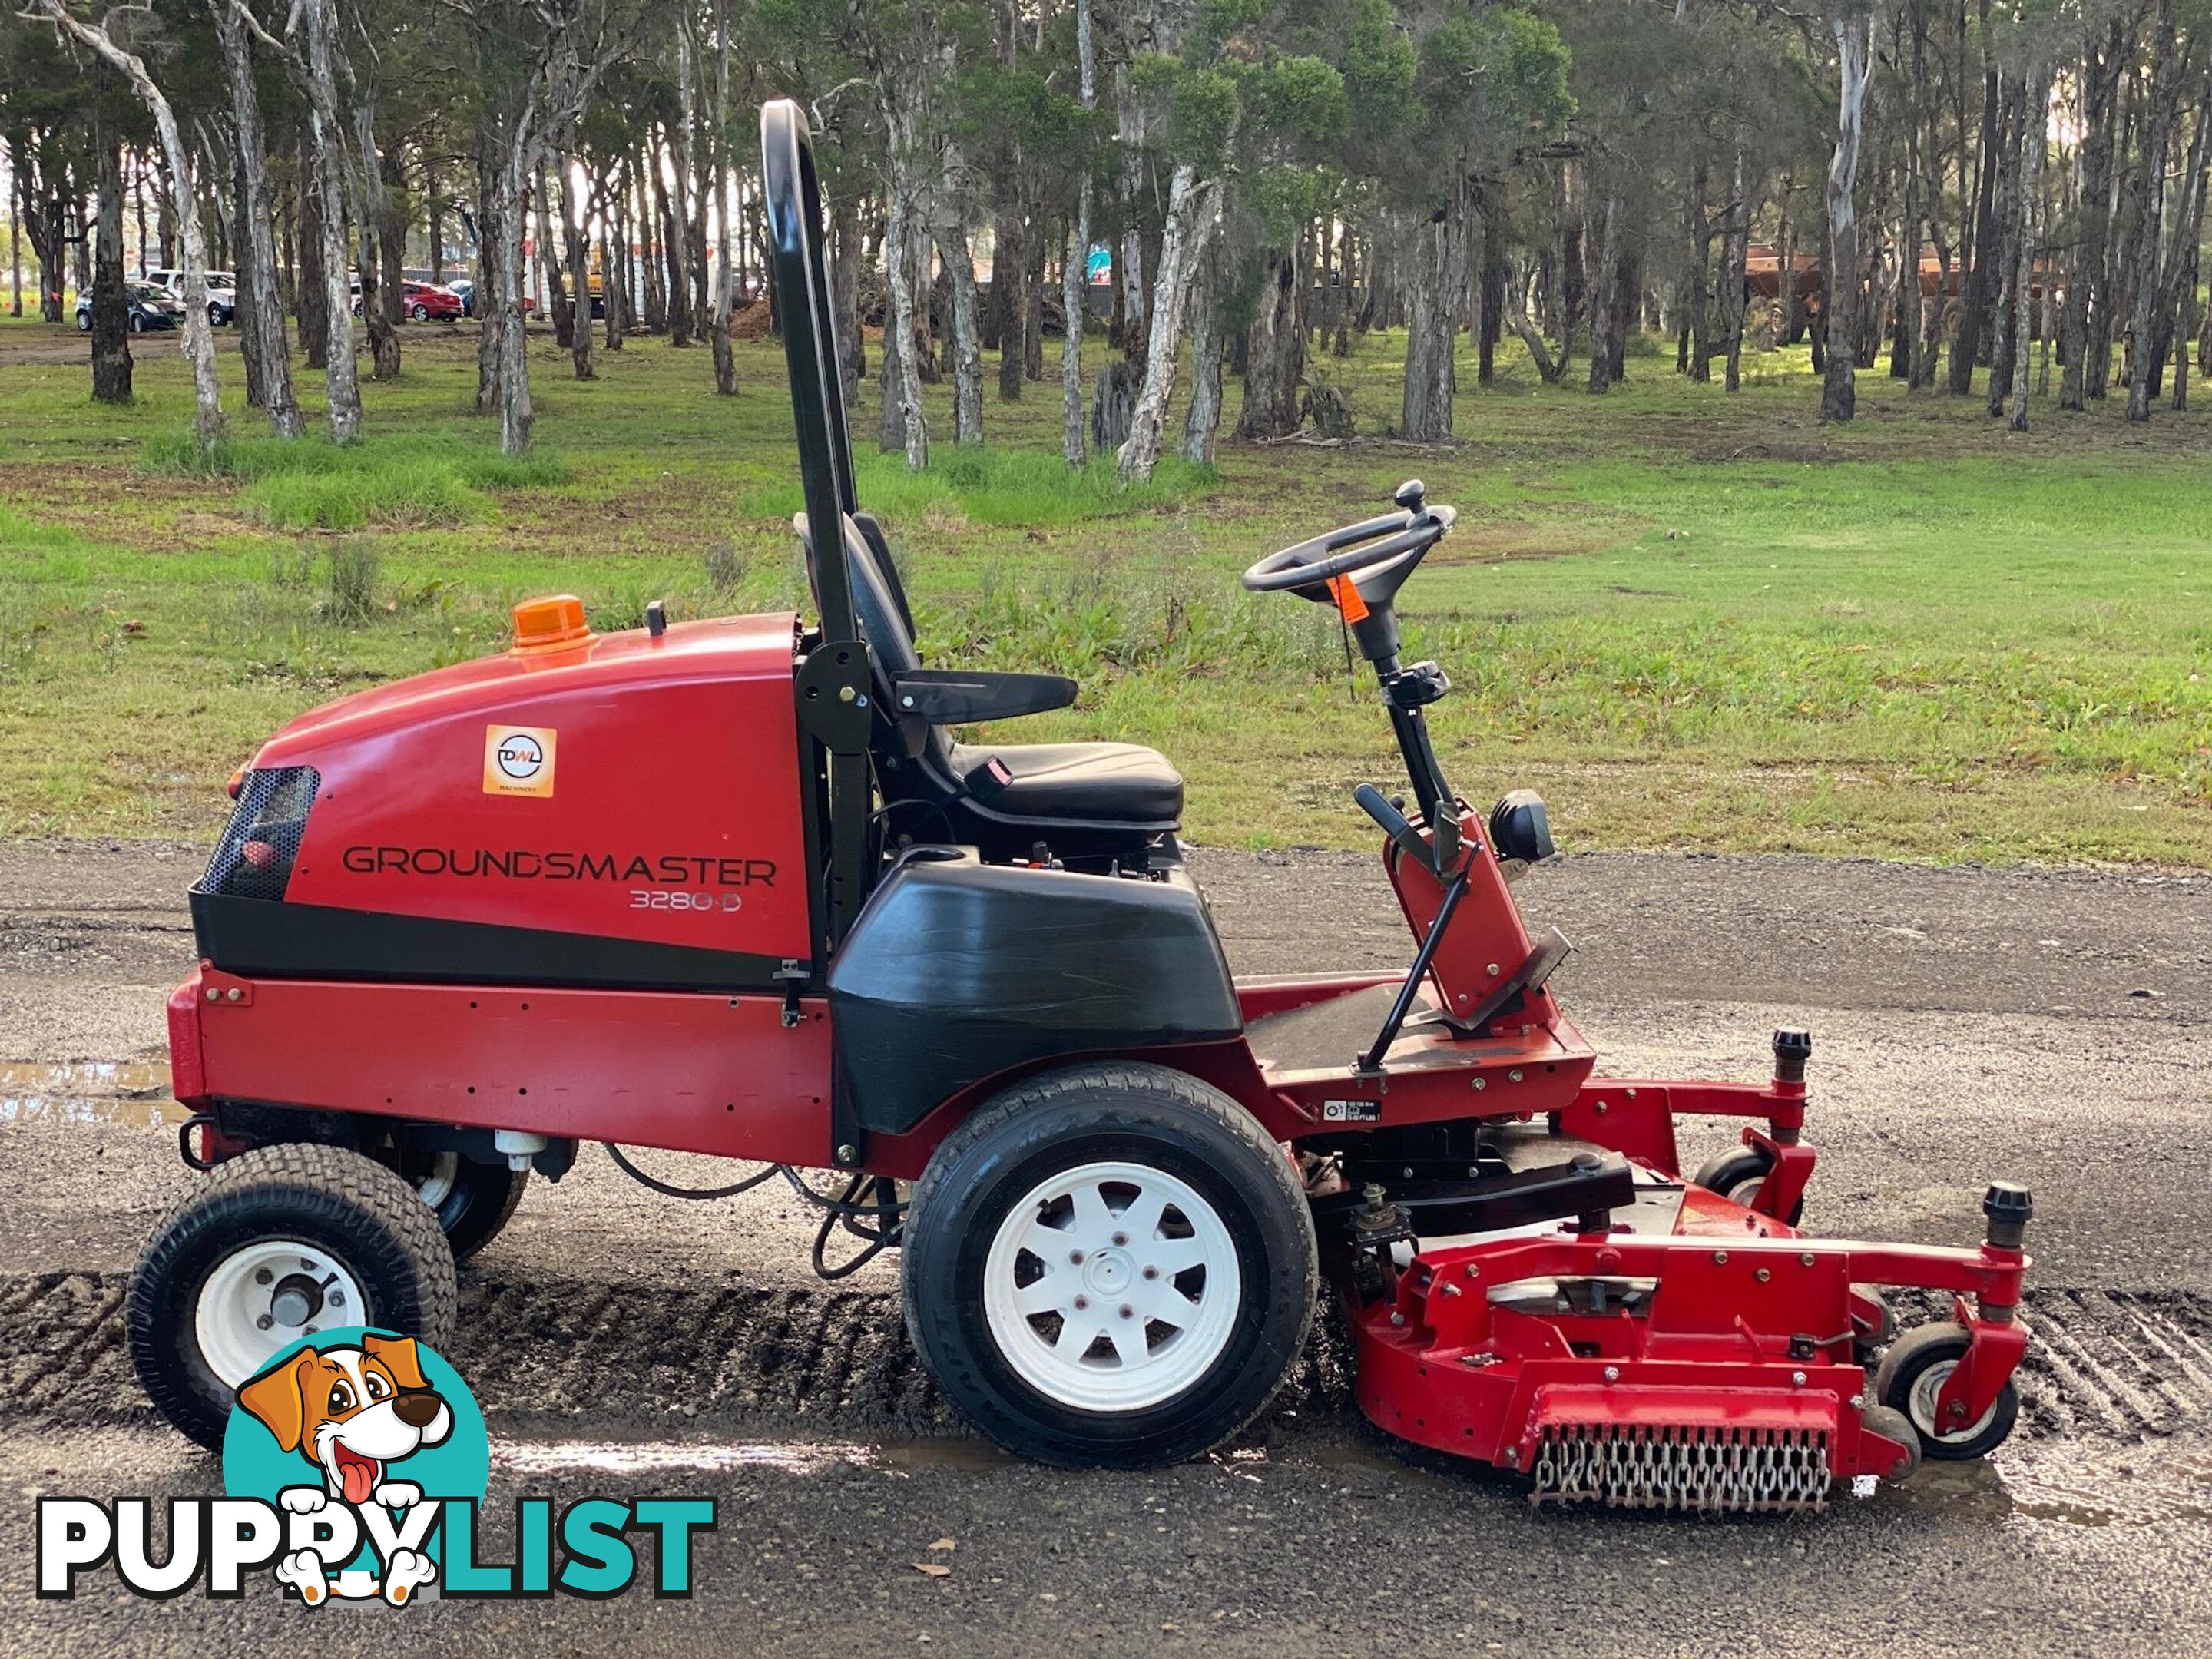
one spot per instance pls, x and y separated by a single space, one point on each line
725 648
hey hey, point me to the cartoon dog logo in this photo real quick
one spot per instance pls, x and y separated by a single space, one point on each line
352 1413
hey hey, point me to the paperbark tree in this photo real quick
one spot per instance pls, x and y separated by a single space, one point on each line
1202 418
1840 307
2158 127
260 308
1189 223
184 201
2028 194
110 303
1074 272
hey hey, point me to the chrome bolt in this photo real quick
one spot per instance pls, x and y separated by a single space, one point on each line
1797 1379
214 994
337 1298
231 994
1493 970
1762 1275
263 1323
1858 1402
1600 1109
1631 1094
1479 1086
1513 1076
1720 1258
1474 1271
1805 1259
848 1153
845 693
1397 1318
1612 1373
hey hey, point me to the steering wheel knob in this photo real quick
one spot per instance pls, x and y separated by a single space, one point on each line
1410 494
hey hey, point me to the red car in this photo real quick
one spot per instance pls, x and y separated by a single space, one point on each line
423 301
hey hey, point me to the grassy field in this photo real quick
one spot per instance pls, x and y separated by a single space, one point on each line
1691 621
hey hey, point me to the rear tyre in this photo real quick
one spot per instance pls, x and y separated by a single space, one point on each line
1111 1266
421 313
1912 1373
275 1245
1738 1175
472 1201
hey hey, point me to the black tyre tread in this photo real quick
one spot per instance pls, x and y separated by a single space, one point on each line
348 1187
1725 1170
1924 1345
1051 1089
477 1227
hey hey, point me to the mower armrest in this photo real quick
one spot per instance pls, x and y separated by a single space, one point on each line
944 696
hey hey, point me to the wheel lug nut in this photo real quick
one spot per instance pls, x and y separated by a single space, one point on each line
1152 1272
262 1275
1081 1302
263 1323
1121 1238
1075 1256
1127 1311
337 1298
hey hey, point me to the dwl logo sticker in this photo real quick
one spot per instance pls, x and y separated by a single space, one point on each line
355 1466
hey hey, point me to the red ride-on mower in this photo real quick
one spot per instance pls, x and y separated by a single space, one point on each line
732 887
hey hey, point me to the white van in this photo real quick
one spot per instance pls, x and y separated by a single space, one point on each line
222 290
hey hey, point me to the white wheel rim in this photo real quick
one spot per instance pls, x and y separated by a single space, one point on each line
435 1187
1111 1288
1921 1404
267 1295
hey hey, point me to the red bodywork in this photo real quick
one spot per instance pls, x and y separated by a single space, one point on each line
665 807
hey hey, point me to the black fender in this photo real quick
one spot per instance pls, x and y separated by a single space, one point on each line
956 970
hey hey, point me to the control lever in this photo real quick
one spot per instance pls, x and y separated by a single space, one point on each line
1396 826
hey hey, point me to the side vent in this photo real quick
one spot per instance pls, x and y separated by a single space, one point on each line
254 858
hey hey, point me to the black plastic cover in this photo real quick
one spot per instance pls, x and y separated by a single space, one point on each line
1520 828
956 970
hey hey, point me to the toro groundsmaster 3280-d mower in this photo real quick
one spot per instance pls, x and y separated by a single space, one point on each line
731 887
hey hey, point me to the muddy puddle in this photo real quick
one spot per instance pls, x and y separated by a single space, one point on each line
132 1093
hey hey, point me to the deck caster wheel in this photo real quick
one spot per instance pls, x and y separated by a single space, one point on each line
1912 1373
1111 1266
1895 1426
1737 1177
473 1200
274 1245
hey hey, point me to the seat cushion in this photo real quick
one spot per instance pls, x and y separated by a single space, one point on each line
1097 782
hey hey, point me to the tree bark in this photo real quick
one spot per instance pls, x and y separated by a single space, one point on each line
111 304
1974 261
2027 193
1182 244
902 364
1735 254
575 230
1202 419
1436 264
2157 129
1010 298
1605 304
260 309
2100 86
1075 272
380 288
1274 352
1839 313
327 140
952 240
1699 304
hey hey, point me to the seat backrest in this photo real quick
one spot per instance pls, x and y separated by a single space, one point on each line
879 607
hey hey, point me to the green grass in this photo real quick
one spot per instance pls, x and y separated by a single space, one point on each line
1691 620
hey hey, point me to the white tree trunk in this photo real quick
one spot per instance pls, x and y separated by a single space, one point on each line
899 335
1130 130
326 140
967 334
2028 188
1840 287
1202 420
1190 221
184 202
260 309
1075 271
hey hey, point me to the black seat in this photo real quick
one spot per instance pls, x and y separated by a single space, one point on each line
1107 798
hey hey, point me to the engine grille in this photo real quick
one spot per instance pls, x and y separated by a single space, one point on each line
254 858
1703 1469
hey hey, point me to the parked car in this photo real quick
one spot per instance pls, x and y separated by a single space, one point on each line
423 301
222 291
151 308
465 286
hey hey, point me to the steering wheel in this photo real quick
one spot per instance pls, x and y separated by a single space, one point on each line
1405 534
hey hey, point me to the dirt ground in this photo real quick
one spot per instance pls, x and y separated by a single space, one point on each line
2045 1027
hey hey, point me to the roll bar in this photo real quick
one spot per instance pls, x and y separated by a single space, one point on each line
799 264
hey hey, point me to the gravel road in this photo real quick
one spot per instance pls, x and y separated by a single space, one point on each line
2045 1027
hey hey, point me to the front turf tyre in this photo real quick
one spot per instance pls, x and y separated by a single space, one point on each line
1109 1266
1912 1373
1737 1177
273 1246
